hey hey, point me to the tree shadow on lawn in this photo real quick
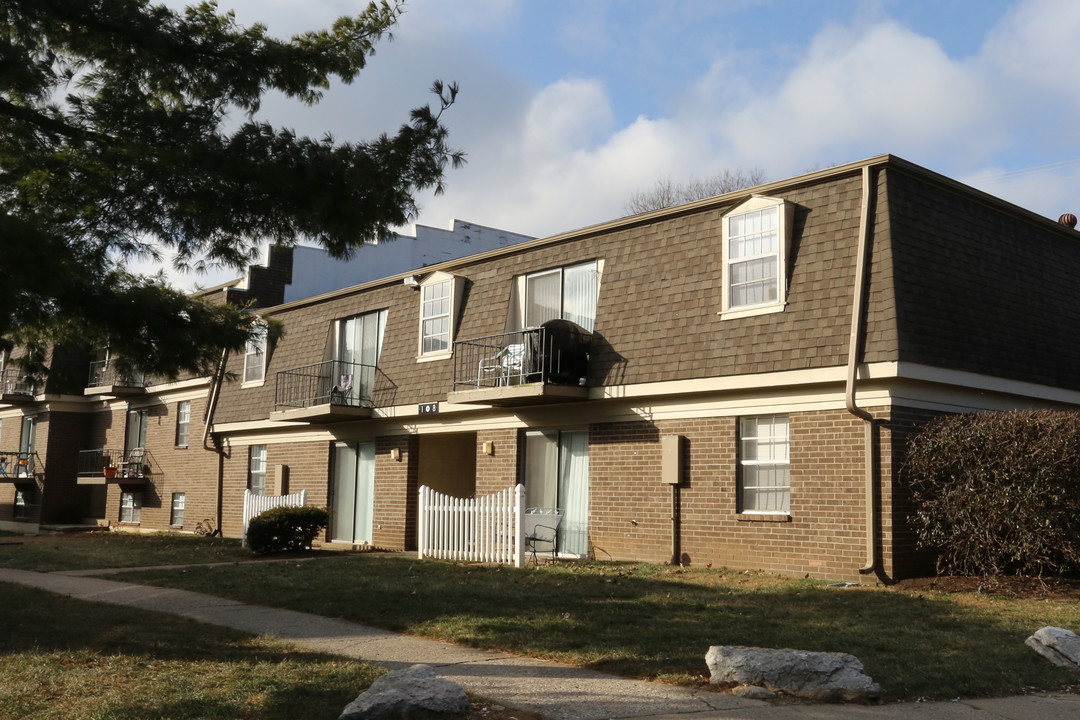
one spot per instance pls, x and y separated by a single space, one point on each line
138 664
658 622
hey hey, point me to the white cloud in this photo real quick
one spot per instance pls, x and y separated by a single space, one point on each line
550 158
884 89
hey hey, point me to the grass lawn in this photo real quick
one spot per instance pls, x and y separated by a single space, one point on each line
62 658
86 551
650 621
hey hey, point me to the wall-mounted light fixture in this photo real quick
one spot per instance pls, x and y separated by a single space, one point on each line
489 447
395 454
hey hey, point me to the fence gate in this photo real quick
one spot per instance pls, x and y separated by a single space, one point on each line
484 529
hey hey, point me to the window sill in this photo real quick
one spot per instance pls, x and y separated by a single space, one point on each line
180 447
434 356
764 517
252 384
751 311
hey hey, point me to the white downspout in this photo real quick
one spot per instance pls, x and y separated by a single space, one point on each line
854 343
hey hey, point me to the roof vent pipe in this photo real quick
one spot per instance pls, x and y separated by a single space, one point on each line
1068 220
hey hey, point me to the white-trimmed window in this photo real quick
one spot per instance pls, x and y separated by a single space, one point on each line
131 507
764 465
255 357
176 517
183 422
440 296
257 469
756 240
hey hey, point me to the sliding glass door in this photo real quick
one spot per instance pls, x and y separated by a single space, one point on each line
354 493
556 475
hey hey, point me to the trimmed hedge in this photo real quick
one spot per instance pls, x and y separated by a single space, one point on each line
998 493
286 528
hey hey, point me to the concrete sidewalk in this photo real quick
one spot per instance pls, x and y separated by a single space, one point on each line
556 691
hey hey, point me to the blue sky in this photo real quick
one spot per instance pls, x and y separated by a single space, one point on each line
568 107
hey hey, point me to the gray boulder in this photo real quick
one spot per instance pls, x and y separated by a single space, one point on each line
812 675
410 694
1058 645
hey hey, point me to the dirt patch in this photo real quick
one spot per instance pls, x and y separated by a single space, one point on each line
1030 588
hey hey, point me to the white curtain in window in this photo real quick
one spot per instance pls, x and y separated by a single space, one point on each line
361 344
574 492
353 493
579 295
543 298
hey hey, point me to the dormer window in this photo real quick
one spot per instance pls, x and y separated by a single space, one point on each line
440 298
756 239
255 358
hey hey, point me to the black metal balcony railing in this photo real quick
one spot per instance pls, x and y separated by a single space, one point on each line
13 382
332 382
555 353
137 464
20 465
104 373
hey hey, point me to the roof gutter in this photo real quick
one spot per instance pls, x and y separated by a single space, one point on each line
208 422
855 342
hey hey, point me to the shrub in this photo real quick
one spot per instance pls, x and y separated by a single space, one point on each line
286 528
998 493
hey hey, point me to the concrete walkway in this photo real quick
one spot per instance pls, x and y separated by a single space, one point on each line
556 691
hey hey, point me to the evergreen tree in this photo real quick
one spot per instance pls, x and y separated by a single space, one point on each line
126 127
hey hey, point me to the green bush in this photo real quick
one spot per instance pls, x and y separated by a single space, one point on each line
998 493
286 528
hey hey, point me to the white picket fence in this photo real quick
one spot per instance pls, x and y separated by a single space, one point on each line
255 505
484 529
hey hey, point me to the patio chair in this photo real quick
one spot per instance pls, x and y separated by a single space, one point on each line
541 526
339 394
134 465
503 365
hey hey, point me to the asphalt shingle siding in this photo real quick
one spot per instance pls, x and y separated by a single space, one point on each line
981 289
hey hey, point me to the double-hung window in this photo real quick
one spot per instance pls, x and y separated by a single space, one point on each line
257 469
183 422
440 298
176 517
255 357
756 239
764 465
130 507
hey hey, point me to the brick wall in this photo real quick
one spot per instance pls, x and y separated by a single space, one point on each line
396 493
631 509
308 469
189 469
498 471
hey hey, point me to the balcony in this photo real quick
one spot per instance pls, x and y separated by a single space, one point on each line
15 387
526 367
107 379
103 465
20 467
330 391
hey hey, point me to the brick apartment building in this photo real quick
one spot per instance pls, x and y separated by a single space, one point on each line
730 381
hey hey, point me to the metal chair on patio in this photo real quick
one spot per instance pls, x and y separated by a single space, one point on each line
541 527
